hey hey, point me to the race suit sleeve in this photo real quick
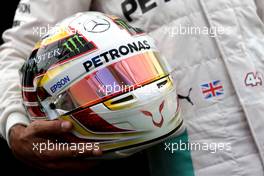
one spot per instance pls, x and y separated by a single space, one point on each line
260 8
32 19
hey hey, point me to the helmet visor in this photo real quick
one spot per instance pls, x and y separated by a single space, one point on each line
115 79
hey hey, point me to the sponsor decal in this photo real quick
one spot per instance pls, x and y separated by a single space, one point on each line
212 89
188 97
115 53
74 43
62 50
60 84
96 25
123 25
149 114
253 79
48 55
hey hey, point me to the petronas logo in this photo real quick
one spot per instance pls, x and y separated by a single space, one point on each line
74 43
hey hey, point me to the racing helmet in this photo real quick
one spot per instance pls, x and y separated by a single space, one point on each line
107 78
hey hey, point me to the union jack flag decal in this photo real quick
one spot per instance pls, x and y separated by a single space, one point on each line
212 89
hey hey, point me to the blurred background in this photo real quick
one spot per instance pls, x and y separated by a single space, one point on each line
135 165
7 18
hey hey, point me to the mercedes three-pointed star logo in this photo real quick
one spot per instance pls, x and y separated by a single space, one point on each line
96 25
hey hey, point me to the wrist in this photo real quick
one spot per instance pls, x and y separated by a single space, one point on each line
15 132
16 120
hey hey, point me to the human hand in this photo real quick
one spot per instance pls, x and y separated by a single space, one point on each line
22 139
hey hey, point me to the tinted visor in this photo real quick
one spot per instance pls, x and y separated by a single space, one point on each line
113 80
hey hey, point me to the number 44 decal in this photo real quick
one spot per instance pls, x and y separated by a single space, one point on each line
253 79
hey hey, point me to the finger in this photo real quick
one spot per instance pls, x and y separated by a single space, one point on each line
44 127
97 152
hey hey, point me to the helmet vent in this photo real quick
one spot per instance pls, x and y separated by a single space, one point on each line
128 98
161 84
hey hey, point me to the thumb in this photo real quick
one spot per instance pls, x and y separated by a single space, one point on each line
43 127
